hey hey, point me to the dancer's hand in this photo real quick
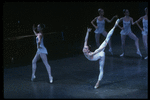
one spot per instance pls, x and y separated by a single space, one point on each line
91 54
89 29
116 16
34 27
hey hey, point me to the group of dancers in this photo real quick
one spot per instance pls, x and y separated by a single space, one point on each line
98 54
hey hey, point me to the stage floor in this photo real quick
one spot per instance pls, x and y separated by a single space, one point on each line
75 77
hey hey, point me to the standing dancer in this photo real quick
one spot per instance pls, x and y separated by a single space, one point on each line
144 29
99 53
41 52
126 30
100 28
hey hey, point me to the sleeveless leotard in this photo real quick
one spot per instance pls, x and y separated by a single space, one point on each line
42 48
101 26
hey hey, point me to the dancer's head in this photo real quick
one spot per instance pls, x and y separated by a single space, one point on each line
146 10
86 49
101 12
126 12
40 27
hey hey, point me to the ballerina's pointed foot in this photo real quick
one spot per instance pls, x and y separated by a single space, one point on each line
96 86
139 53
110 50
117 21
51 80
33 77
146 57
122 55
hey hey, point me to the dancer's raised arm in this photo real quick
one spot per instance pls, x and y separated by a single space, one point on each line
87 35
109 21
34 30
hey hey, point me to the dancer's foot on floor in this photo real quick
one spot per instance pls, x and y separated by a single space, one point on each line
110 50
122 55
146 57
51 80
97 85
33 77
139 53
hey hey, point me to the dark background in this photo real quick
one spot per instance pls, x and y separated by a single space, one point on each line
71 18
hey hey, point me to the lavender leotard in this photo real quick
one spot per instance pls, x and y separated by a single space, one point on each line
42 48
101 26
145 27
127 28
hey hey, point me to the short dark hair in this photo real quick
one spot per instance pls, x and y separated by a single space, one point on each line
42 25
146 8
100 9
124 10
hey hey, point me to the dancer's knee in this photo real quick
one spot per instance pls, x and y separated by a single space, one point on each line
33 61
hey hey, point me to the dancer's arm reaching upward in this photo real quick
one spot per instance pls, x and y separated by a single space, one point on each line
34 30
86 37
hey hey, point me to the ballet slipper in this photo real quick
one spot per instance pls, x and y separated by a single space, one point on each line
146 57
51 80
139 53
122 55
110 50
33 77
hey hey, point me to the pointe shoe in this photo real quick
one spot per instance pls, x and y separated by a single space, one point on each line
139 53
33 77
146 57
110 50
117 21
122 55
96 86
51 80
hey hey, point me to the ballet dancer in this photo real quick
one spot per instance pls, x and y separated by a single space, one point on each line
100 28
41 52
99 53
126 30
144 29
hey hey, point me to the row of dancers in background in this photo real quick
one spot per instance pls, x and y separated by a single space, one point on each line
99 53
125 30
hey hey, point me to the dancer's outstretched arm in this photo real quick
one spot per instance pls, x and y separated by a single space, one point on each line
34 30
109 21
138 23
87 35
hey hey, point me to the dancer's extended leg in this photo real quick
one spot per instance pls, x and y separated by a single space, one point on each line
104 44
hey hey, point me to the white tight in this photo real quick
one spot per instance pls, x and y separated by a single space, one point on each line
44 59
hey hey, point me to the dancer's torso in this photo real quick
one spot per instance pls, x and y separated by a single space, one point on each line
42 48
145 24
100 26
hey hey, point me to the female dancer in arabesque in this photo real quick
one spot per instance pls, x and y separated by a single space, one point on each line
99 53
41 52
